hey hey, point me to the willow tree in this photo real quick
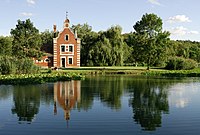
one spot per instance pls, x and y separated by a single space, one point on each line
151 42
88 39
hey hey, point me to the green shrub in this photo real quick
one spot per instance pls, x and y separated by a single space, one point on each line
179 63
11 65
6 65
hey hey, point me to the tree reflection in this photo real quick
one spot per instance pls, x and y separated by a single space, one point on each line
108 89
26 102
5 92
111 91
149 101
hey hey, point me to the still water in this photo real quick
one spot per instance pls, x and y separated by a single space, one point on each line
104 105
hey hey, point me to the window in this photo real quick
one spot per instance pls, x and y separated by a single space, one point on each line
70 61
47 60
70 48
62 48
66 37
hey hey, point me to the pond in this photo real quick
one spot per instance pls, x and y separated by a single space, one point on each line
118 105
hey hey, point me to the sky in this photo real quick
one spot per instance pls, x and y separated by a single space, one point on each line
180 17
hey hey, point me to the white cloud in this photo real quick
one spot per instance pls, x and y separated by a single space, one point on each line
26 14
154 2
178 18
31 2
181 31
193 32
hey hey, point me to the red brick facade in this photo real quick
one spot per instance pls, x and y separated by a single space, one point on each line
66 50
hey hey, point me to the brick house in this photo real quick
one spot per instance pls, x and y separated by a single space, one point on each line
65 52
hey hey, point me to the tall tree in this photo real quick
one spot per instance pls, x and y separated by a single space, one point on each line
114 34
88 39
150 40
26 40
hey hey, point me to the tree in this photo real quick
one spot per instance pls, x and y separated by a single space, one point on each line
114 34
5 46
88 39
26 40
151 42
47 41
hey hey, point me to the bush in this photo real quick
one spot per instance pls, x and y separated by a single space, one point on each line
11 65
179 63
7 65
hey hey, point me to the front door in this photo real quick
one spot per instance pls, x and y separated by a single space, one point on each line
63 61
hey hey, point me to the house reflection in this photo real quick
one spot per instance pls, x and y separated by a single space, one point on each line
66 95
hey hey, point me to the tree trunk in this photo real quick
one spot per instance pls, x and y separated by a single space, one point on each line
148 64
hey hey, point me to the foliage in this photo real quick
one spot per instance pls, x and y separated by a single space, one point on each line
5 46
147 46
26 40
186 49
38 78
47 41
105 48
149 102
179 63
150 41
88 39
7 65
11 65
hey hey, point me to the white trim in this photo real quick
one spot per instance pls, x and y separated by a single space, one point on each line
66 49
67 54
47 60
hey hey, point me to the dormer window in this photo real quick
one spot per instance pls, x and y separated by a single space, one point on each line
66 37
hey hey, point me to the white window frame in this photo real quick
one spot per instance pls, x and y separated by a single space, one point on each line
61 48
67 49
46 60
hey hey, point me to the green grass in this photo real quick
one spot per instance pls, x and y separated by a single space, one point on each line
154 71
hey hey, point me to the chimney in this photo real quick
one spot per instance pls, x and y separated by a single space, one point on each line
54 28
54 31
75 33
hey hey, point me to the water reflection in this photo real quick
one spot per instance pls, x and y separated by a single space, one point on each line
66 95
26 103
149 102
148 99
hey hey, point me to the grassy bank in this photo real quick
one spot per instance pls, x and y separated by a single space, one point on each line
104 70
79 73
132 71
174 73
38 78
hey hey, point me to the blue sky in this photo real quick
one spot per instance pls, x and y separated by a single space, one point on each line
180 17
